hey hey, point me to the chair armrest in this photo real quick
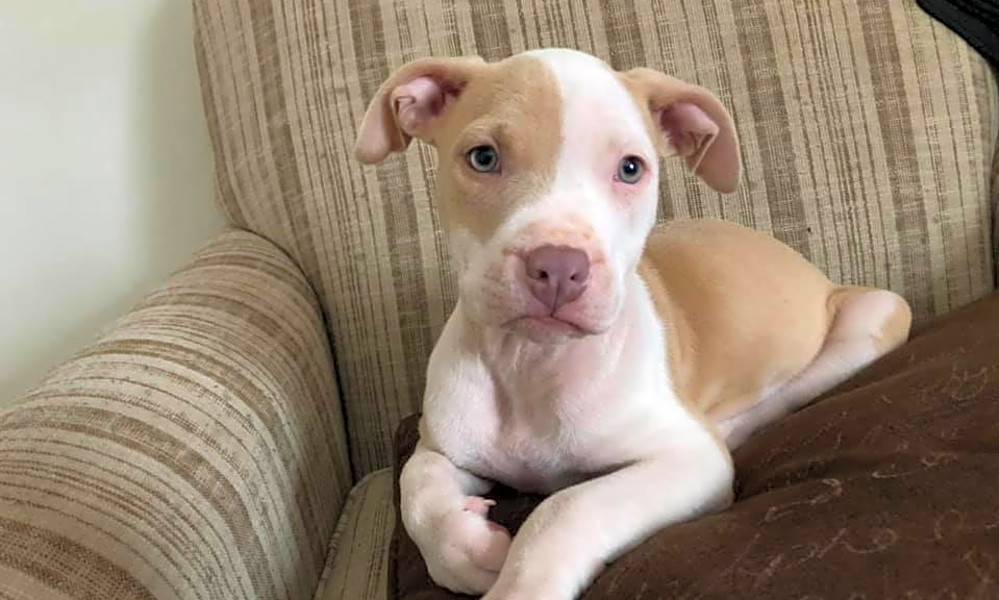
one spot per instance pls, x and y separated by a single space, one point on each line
995 209
196 450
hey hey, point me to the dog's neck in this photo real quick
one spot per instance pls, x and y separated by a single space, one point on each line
563 377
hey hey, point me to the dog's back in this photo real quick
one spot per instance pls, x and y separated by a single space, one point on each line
755 329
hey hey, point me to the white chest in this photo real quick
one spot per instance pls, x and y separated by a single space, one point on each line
540 418
541 434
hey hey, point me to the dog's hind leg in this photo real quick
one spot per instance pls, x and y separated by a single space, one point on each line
867 324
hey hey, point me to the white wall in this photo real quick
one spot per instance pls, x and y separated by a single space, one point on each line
106 180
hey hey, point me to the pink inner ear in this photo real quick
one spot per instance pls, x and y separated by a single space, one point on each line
688 128
417 103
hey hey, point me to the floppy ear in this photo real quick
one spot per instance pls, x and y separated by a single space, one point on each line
410 103
694 123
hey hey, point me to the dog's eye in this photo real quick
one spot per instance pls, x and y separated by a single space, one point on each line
630 169
484 159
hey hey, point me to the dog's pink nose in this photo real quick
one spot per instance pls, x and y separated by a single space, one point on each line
557 274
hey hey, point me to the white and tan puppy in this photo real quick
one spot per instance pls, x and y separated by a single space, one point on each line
591 356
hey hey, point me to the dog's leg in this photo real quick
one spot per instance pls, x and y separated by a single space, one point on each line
570 536
444 513
867 324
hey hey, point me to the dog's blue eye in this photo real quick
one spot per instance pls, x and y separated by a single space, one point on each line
484 159
630 169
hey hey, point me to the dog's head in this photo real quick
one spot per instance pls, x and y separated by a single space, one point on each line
548 175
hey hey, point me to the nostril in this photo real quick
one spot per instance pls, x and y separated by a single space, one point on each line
536 273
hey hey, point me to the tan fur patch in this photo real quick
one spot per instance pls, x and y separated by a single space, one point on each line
514 105
640 94
743 312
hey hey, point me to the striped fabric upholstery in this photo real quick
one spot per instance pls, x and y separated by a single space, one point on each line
357 567
867 129
195 451
995 210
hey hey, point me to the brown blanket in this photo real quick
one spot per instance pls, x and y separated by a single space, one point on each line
885 488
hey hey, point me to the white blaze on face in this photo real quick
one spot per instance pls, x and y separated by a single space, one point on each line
601 125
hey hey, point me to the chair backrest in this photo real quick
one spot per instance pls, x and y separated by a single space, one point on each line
867 133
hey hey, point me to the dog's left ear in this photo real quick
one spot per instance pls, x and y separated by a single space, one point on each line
693 123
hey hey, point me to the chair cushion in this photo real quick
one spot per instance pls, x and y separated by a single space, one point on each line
867 133
885 488
357 567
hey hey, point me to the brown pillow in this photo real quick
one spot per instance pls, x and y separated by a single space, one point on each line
885 488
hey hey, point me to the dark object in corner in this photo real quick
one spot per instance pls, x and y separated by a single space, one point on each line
977 21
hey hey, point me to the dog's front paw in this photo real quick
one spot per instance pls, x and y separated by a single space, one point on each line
471 549
506 594
540 577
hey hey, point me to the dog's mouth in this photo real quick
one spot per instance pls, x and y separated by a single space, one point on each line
546 327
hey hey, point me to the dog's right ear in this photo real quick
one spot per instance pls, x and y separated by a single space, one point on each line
411 103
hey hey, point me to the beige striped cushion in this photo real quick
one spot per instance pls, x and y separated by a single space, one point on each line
357 568
867 130
195 451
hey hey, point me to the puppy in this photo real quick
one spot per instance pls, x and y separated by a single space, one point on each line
592 356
